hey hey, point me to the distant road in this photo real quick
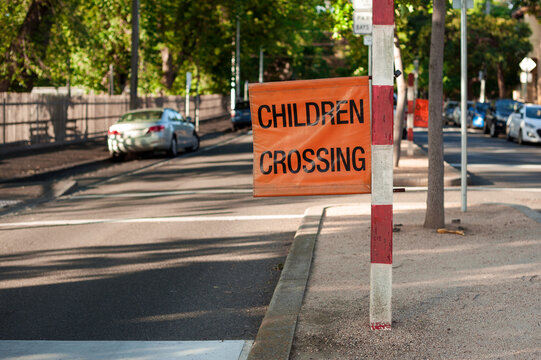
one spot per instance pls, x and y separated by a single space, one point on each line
491 161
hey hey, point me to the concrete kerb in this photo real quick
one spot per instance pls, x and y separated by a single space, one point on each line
275 336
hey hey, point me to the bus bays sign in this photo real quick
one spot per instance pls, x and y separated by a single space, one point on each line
311 137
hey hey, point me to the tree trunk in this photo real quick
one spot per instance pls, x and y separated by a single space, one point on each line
29 46
501 81
400 101
435 215
169 70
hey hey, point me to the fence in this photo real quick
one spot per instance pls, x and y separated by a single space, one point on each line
31 120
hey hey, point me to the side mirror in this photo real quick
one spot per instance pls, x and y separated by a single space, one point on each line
189 119
521 115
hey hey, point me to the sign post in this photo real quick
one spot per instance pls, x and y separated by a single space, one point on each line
381 241
188 88
411 112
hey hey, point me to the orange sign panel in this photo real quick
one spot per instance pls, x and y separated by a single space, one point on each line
421 113
311 137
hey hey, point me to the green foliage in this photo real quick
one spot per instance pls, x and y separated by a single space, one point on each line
308 39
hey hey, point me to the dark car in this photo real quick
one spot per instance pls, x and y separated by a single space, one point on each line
497 115
240 116
448 109
479 115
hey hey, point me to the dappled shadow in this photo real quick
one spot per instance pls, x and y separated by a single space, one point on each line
173 289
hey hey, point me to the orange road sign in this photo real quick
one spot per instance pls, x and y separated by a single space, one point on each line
311 137
421 113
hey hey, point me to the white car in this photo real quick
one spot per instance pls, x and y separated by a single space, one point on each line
144 130
525 124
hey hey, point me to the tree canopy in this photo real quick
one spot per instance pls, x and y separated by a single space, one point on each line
45 42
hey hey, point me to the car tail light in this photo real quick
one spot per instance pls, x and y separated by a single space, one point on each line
155 128
113 133
232 114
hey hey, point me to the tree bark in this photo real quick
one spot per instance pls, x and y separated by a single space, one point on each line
29 46
169 70
400 101
435 215
501 81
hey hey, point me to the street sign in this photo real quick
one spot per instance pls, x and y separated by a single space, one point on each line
362 22
527 64
457 4
311 137
367 40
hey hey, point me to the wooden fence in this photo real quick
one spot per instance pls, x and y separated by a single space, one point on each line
32 119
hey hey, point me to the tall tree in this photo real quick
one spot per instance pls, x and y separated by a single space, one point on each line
435 214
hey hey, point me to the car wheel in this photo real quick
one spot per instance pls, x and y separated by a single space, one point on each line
508 135
520 141
486 127
118 156
195 146
173 148
493 131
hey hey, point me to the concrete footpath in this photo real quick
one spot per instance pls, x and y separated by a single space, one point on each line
475 296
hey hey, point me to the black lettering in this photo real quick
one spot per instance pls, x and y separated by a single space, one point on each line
309 160
289 160
323 160
355 159
296 117
276 115
333 160
325 112
338 112
343 159
262 160
316 108
290 115
268 125
353 110
280 161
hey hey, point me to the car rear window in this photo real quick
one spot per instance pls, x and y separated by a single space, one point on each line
153 115
242 105
533 112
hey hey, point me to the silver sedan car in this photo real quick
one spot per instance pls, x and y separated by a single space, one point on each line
161 129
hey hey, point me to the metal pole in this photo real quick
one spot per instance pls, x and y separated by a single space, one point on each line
134 54
4 121
464 106
111 80
260 64
237 62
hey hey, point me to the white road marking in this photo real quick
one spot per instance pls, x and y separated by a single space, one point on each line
172 219
123 350
501 167
160 193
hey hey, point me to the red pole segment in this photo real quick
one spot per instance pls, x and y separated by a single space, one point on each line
382 165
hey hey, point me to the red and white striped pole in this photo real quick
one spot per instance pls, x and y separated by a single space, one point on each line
411 112
381 242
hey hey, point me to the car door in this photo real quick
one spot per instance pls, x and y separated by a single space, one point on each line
514 124
184 130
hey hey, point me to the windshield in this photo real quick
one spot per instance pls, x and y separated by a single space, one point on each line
505 106
533 112
482 107
152 115
242 105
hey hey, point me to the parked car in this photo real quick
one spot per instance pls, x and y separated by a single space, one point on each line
525 124
241 117
144 130
479 114
457 114
497 115
448 109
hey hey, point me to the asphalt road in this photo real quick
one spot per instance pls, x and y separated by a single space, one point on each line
178 250
491 161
